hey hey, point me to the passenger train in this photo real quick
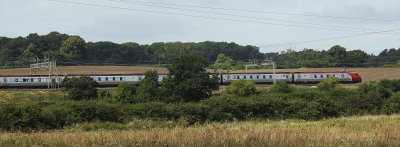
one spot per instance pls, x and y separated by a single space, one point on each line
110 80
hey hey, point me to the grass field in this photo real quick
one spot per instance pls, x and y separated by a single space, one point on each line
351 131
367 74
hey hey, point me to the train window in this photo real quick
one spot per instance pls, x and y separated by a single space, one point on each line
123 79
98 79
31 79
237 77
258 77
244 77
228 77
113 78
106 78
12 80
4 80
315 76
251 77
120 78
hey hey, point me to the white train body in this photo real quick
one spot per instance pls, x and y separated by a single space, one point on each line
225 78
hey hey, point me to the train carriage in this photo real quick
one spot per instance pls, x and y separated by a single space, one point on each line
258 78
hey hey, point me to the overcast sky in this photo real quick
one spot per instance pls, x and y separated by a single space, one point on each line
272 25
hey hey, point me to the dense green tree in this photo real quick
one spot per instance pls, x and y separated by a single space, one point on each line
188 80
31 52
223 62
356 58
74 48
148 90
336 56
81 88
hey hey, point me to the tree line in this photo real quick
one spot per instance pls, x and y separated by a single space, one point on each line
74 50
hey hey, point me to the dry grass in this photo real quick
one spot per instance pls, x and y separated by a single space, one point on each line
367 74
352 131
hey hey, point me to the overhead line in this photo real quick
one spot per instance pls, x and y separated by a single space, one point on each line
241 16
267 12
199 16
326 39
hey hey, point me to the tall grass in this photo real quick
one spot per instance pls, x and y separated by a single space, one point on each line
350 131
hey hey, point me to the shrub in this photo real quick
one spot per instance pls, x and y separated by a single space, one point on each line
392 104
366 87
328 84
125 92
57 117
241 88
81 88
226 107
282 87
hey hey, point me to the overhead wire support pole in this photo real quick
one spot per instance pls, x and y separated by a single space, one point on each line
270 62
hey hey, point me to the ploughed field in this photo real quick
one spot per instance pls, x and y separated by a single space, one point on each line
367 74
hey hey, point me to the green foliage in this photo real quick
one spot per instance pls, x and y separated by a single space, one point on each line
223 62
328 84
336 56
81 88
148 90
188 80
125 93
74 48
241 88
282 87
392 104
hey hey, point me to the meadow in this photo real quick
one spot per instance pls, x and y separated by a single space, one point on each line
371 130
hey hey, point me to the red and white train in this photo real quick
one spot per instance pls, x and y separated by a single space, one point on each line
7 81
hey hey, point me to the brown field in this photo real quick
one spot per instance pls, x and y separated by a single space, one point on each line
367 74
351 131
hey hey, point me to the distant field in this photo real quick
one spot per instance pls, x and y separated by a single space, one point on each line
367 74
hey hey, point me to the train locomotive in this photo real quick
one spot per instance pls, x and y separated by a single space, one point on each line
13 81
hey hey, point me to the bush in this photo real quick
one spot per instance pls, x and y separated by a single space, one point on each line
82 88
328 84
241 88
392 104
125 92
282 87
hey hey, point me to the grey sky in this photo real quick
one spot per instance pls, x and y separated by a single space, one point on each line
127 22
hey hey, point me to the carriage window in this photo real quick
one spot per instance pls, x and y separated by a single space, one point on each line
258 77
123 79
120 78
106 78
237 77
315 76
251 77
113 78
98 79
244 77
